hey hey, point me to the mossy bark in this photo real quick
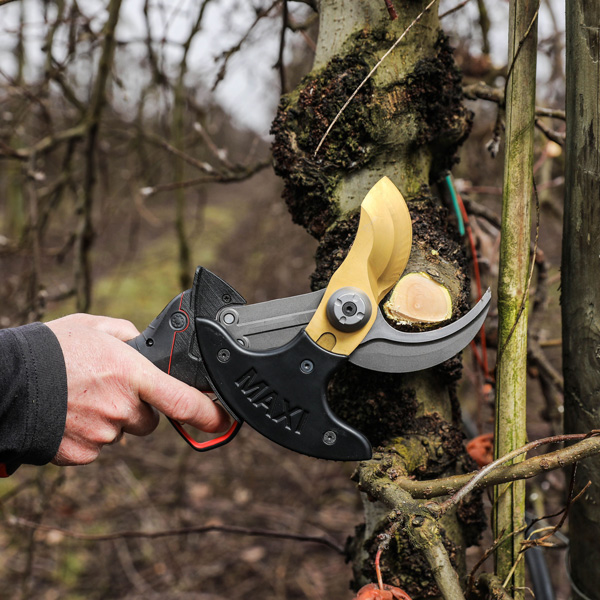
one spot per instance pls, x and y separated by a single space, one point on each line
511 376
406 123
580 296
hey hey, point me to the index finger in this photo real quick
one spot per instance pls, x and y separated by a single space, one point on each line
180 401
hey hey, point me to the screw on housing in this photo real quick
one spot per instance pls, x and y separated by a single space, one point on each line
307 366
224 355
329 438
178 321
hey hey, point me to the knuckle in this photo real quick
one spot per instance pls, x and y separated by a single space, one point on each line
73 453
181 407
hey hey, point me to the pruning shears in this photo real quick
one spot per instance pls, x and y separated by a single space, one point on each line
269 363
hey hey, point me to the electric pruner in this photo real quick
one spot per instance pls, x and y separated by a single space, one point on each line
269 363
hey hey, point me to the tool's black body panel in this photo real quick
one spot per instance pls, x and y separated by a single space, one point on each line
281 392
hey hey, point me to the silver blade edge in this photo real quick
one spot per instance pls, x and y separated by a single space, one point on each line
273 323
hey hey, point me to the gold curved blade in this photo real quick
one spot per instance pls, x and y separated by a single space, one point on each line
374 264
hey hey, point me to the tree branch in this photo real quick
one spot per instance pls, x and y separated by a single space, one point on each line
482 91
420 524
216 178
128 534
46 144
495 474
85 233
555 136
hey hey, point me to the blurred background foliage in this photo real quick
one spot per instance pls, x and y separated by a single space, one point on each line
132 151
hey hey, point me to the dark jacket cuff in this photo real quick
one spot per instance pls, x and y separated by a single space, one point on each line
33 396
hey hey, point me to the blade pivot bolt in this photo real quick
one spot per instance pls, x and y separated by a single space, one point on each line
329 438
348 309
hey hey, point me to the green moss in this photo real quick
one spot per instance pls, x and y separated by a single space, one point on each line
302 120
422 109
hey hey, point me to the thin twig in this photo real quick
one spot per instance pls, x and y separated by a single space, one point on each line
216 178
555 136
129 534
219 153
393 16
194 162
528 543
458 496
482 91
280 65
510 574
229 53
498 542
362 83
454 9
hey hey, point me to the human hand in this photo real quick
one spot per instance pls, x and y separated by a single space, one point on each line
112 389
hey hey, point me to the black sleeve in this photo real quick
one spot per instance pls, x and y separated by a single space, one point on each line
33 396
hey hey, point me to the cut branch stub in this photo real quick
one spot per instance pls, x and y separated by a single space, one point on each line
417 298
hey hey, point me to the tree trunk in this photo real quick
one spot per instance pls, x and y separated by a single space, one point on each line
406 123
580 269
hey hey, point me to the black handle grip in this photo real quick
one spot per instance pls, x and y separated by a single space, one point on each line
170 342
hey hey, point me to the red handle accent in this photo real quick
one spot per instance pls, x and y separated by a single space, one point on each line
3 471
209 444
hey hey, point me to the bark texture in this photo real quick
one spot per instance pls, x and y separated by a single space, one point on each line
580 269
511 372
405 123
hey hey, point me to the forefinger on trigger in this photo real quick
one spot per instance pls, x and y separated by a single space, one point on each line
182 402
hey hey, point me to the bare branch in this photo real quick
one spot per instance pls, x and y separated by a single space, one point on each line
391 10
85 232
216 178
128 534
162 143
454 9
552 135
482 91
46 144
420 524
225 56
496 474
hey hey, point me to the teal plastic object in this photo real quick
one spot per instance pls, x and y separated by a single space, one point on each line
461 224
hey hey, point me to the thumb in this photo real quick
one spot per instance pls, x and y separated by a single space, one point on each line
180 401
120 328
